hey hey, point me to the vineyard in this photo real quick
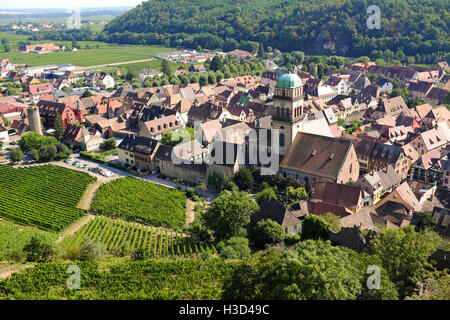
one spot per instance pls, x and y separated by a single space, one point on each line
42 196
118 234
142 201
13 238
180 279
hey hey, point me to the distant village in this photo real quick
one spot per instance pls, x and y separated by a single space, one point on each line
364 155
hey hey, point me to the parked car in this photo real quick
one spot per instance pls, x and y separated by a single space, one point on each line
106 173
94 169
76 164
69 160
83 165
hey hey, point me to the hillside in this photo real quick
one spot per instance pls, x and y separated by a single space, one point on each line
413 26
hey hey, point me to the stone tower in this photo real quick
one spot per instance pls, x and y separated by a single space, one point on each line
287 111
34 120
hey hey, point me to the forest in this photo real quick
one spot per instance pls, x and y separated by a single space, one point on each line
313 26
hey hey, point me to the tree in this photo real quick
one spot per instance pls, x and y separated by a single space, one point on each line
87 94
363 59
216 63
131 74
332 220
215 180
266 232
315 270
58 126
447 99
202 187
422 221
165 67
39 249
235 248
315 227
296 194
405 253
244 178
229 214
109 144
7 48
16 155
266 194
6 121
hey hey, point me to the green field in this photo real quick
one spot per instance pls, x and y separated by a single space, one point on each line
44 196
142 201
86 57
118 234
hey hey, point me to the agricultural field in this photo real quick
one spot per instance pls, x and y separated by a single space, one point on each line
87 57
42 196
13 238
162 279
118 234
142 201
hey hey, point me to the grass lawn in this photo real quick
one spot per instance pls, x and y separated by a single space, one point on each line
142 201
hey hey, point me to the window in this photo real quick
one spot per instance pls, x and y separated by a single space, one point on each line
281 139
286 230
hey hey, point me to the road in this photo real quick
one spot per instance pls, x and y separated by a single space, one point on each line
81 69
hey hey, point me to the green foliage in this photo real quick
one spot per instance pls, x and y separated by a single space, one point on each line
314 270
422 221
6 120
151 279
172 138
44 196
109 144
332 220
91 249
243 178
235 248
266 194
87 94
315 227
266 232
405 253
296 194
140 200
215 180
58 127
229 214
16 155
291 239
14 238
165 67
191 192
39 249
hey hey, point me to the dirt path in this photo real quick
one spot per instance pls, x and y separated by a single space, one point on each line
6 271
190 212
89 195
72 229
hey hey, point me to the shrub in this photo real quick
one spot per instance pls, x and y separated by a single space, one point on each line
235 248
291 240
109 144
315 227
39 249
191 192
139 254
91 249
243 178
16 155
266 232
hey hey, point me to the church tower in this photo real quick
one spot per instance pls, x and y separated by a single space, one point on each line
287 111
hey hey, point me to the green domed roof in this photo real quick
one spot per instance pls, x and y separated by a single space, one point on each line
289 80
